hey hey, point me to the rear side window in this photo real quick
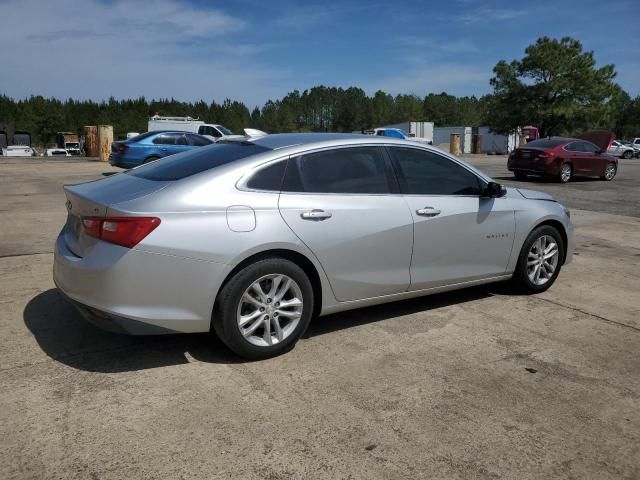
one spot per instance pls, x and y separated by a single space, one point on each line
268 178
344 170
165 139
196 160
426 173
572 147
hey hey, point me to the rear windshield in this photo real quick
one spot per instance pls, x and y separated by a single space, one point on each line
546 143
182 165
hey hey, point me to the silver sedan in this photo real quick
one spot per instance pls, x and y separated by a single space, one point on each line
252 239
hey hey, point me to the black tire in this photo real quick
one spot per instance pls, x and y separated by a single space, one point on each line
628 154
225 322
607 176
151 159
566 173
521 277
520 175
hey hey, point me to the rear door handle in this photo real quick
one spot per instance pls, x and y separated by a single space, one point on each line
315 214
428 212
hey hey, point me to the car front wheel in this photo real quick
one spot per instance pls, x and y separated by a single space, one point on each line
540 260
264 308
609 172
628 154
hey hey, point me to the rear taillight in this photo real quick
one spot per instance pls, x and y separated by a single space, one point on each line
124 231
122 148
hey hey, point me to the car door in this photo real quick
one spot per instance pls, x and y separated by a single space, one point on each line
459 236
344 205
592 162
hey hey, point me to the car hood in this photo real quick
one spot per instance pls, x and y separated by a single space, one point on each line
535 195
600 138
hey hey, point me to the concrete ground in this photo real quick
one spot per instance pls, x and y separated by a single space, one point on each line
479 383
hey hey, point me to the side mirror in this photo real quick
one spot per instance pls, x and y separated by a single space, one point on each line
494 190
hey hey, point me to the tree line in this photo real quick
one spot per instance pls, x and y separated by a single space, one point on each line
319 109
556 86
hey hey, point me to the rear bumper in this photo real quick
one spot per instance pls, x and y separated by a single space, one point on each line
138 292
119 162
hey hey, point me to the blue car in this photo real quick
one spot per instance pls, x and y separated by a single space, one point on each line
151 146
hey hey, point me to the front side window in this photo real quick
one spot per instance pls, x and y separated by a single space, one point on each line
588 147
423 172
344 170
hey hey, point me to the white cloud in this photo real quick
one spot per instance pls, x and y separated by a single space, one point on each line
491 15
93 49
455 79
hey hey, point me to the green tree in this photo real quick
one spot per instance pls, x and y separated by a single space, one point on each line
556 87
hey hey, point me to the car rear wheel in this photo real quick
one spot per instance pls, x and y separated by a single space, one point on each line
520 175
609 172
264 309
627 154
566 172
540 260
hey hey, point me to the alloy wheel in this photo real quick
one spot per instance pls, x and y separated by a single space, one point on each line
542 260
610 171
270 310
565 173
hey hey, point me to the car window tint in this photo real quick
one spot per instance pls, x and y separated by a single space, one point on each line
195 160
181 140
269 177
546 143
572 147
197 140
342 170
588 147
427 173
165 139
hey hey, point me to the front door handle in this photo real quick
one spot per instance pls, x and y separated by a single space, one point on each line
428 212
315 214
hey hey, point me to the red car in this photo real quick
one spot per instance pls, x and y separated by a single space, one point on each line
564 158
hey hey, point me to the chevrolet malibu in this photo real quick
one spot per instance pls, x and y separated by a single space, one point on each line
252 239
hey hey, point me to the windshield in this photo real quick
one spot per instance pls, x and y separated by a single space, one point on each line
224 130
191 162
545 143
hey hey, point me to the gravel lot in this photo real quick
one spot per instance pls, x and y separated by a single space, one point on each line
478 383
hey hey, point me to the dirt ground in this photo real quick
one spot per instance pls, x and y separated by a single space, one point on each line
479 383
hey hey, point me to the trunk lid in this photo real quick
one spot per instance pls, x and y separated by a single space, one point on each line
601 138
93 199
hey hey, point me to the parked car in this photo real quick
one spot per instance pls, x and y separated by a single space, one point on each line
252 239
57 152
399 133
564 158
151 146
621 150
18 151
635 146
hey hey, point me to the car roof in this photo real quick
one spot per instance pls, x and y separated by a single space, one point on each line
283 140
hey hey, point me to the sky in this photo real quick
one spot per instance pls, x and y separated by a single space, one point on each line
255 50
